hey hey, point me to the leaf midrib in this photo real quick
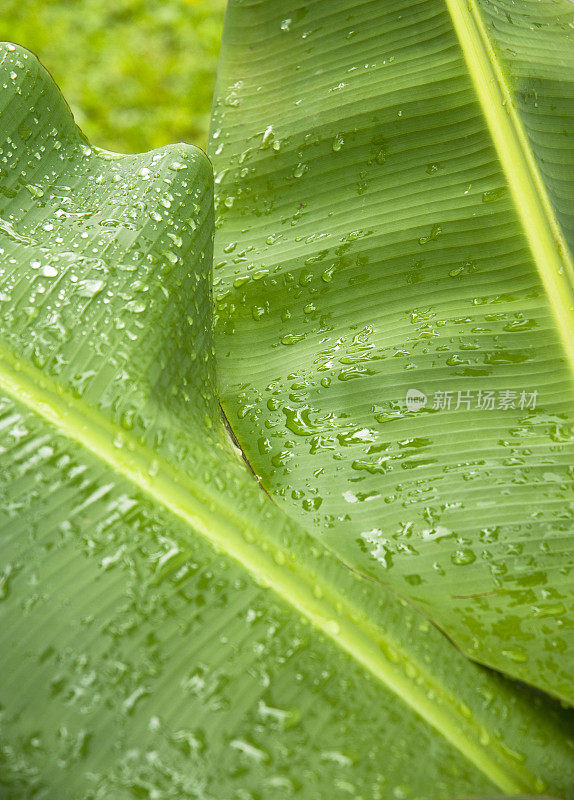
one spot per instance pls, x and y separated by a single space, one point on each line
311 596
543 233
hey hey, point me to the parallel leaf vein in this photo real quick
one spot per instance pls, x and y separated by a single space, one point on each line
543 233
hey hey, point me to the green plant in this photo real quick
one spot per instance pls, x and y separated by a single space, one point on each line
137 74
168 630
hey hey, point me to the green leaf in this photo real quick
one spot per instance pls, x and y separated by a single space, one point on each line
165 629
395 199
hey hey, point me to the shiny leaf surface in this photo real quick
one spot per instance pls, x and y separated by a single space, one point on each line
165 630
394 287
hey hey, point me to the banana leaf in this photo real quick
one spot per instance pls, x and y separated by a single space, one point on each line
394 290
166 630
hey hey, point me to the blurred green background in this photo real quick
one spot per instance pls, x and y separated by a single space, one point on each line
136 73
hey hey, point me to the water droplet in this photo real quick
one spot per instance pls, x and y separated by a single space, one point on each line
434 234
463 556
338 143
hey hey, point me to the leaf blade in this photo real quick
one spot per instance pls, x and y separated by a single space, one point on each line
397 261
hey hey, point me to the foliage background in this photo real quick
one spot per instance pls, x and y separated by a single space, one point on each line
137 73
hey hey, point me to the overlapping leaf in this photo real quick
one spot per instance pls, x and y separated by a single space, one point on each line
166 631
